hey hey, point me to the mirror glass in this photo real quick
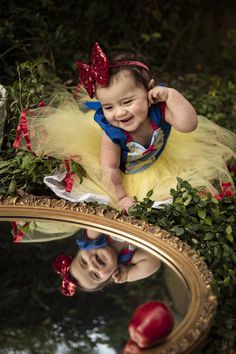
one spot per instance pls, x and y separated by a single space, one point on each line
36 317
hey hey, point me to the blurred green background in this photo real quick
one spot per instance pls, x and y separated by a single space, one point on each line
177 36
191 45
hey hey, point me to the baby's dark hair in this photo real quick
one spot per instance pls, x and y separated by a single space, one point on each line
141 76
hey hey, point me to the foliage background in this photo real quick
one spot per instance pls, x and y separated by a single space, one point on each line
190 44
184 36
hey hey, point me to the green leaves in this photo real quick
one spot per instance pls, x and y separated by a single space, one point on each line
229 233
24 173
35 83
177 230
217 98
78 169
201 214
144 209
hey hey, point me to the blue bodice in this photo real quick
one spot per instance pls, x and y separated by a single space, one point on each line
135 157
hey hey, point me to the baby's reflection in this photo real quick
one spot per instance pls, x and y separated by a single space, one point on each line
103 259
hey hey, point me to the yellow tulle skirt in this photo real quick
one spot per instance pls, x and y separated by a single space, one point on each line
69 132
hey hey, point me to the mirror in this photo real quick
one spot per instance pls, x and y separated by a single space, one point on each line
94 322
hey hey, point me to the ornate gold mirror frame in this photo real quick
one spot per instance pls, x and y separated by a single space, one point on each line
202 304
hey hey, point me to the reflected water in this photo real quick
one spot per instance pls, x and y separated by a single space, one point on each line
36 318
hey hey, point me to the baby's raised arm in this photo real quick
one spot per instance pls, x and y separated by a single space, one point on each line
143 265
110 162
179 111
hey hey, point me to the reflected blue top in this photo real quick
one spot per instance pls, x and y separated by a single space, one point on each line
84 243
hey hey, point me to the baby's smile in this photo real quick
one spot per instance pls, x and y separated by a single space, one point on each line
125 120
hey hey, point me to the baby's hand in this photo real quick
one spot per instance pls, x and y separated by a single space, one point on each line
120 275
126 203
158 94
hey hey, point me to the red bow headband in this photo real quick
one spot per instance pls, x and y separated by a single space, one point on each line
98 71
62 266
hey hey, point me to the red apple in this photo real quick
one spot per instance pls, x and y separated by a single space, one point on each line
150 323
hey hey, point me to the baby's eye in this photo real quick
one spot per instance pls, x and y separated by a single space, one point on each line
128 101
107 108
83 261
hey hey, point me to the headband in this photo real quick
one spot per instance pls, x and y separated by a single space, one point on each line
98 71
62 266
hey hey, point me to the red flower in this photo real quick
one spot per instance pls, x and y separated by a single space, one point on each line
226 191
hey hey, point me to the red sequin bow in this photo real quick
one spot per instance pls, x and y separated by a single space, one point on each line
97 72
62 266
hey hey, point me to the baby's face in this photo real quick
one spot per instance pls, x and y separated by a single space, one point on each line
93 267
124 104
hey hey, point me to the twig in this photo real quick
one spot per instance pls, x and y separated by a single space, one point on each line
47 308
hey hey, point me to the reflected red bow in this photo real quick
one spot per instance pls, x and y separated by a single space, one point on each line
62 266
17 232
97 72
